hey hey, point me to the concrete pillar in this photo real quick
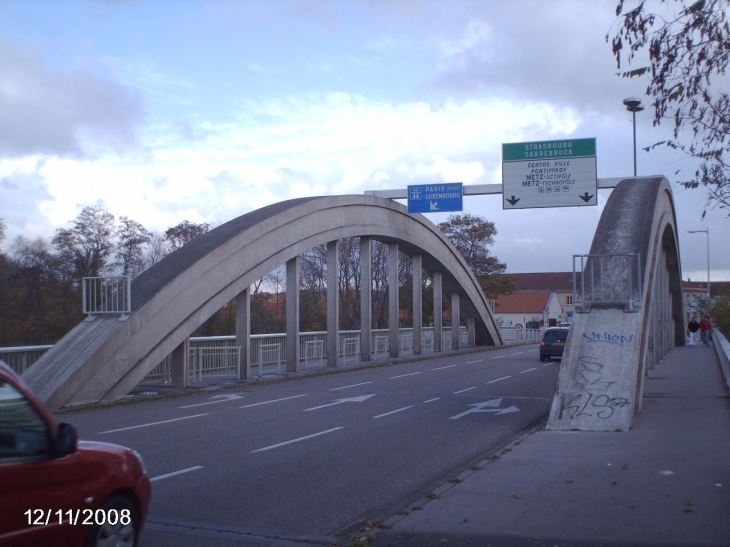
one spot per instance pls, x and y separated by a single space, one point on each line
179 365
438 311
292 315
333 304
471 331
393 309
417 303
366 286
455 320
243 331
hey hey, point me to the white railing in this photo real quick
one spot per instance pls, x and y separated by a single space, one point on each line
21 357
722 347
513 335
106 295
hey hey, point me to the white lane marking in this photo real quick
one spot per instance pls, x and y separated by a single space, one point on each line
431 400
154 423
353 385
498 357
477 361
499 379
529 350
274 400
404 375
167 475
393 412
296 440
441 368
463 390
517 353
221 399
548 364
528 370
359 399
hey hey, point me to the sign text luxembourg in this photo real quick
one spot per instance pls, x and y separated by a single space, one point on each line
436 198
549 174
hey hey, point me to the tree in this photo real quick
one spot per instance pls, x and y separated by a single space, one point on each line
471 235
84 249
685 53
132 237
185 232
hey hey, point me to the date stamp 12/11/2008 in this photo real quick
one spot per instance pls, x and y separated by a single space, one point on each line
85 517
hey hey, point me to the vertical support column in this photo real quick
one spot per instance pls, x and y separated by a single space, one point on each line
471 331
180 364
366 286
333 304
393 305
243 331
417 303
292 315
438 311
455 320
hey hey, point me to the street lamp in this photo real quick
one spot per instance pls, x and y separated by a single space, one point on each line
708 254
634 105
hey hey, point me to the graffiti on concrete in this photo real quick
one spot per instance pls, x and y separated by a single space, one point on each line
609 338
593 397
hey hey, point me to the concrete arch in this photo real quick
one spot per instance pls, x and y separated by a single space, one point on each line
105 359
609 350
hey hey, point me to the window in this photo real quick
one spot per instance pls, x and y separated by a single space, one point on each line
569 300
23 432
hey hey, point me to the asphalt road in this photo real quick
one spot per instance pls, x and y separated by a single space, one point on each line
295 462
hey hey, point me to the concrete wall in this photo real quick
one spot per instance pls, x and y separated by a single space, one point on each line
105 359
608 351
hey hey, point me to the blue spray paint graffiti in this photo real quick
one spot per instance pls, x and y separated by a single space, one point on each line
609 338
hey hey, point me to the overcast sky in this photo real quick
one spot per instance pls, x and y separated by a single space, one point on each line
198 110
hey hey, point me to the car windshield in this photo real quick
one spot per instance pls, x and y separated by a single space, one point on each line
560 335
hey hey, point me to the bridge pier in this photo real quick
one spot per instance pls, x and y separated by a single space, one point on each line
243 330
366 287
438 312
333 304
292 315
417 303
455 319
393 306
180 364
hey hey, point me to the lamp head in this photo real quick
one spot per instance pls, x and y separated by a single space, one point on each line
633 104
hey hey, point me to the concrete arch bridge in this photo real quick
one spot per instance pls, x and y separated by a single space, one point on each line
104 359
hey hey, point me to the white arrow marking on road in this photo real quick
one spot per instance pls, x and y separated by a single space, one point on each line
221 399
480 407
359 399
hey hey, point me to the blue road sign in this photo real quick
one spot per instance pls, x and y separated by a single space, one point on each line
436 198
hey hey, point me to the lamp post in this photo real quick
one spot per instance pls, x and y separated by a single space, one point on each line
634 105
708 254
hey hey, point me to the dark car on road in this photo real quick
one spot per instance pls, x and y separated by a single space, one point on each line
56 490
553 343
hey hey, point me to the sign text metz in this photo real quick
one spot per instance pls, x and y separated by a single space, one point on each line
435 198
549 174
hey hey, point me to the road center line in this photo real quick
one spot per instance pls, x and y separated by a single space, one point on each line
296 440
167 475
547 364
517 353
528 370
498 357
393 412
477 361
463 390
441 368
353 385
499 379
404 375
274 400
154 423
431 400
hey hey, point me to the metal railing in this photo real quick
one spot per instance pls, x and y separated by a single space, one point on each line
722 348
106 295
20 358
612 279
513 335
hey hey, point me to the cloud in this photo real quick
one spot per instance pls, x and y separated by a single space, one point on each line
67 114
24 191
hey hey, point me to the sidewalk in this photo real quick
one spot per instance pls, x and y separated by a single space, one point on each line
665 482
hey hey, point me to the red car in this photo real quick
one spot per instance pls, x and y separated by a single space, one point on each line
56 490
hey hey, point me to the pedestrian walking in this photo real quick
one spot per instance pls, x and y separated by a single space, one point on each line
705 327
693 326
